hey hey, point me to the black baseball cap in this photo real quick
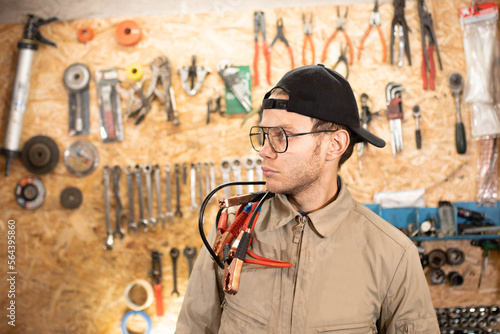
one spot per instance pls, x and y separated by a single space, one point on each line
319 92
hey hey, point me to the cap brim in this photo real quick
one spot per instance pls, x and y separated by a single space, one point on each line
364 135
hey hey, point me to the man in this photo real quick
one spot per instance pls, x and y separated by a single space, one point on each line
352 272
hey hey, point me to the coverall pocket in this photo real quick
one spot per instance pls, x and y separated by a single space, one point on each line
235 320
420 326
366 328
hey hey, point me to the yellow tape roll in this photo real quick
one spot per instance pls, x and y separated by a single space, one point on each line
135 71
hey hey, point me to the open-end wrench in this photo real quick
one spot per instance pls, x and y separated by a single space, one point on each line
138 178
148 171
178 211
108 242
121 215
200 187
190 254
258 171
212 176
184 172
193 205
207 178
225 167
132 225
250 166
236 167
170 214
174 254
160 216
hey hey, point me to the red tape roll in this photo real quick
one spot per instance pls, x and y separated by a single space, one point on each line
128 33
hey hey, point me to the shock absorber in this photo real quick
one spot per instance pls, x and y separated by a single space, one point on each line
27 48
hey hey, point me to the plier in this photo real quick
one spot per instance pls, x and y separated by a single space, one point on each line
280 36
307 39
374 21
399 27
342 59
340 27
259 23
428 34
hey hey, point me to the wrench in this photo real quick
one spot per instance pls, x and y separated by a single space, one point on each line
225 167
200 190
258 171
236 167
212 176
169 215
132 225
193 205
207 179
178 211
160 216
121 215
108 242
184 173
190 254
250 166
174 254
138 178
148 170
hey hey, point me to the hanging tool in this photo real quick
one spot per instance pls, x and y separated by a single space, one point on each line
395 115
399 28
456 84
40 155
308 28
279 36
188 75
229 74
374 22
27 48
418 135
71 197
128 33
341 21
174 254
429 36
214 105
77 78
486 246
85 34
30 193
342 59
366 117
259 24
157 275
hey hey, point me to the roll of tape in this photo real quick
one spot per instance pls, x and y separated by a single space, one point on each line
149 291
141 313
128 33
134 71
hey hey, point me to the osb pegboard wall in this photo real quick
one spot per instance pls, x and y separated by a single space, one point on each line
67 283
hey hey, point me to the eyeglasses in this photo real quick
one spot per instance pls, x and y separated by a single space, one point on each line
277 137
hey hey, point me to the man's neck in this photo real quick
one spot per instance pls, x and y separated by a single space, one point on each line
316 196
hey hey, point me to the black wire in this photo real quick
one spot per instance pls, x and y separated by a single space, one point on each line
202 212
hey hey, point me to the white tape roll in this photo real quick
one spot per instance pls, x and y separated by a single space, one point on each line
149 291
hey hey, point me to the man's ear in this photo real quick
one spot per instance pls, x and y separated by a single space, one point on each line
339 141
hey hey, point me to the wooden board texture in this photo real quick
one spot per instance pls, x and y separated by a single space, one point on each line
67 283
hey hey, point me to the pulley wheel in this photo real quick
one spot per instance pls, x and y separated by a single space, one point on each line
30 193
77 77
71 198
128 33
40 154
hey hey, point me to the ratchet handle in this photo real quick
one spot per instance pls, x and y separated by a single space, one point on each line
418 137
460 141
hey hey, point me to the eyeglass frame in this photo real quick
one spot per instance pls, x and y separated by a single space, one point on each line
286 136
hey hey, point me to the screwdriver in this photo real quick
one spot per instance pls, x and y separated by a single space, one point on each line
418 135
456 84
486 246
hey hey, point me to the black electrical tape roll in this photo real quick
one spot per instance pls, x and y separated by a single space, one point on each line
455 256
436 276
71 198
437 258
455 278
